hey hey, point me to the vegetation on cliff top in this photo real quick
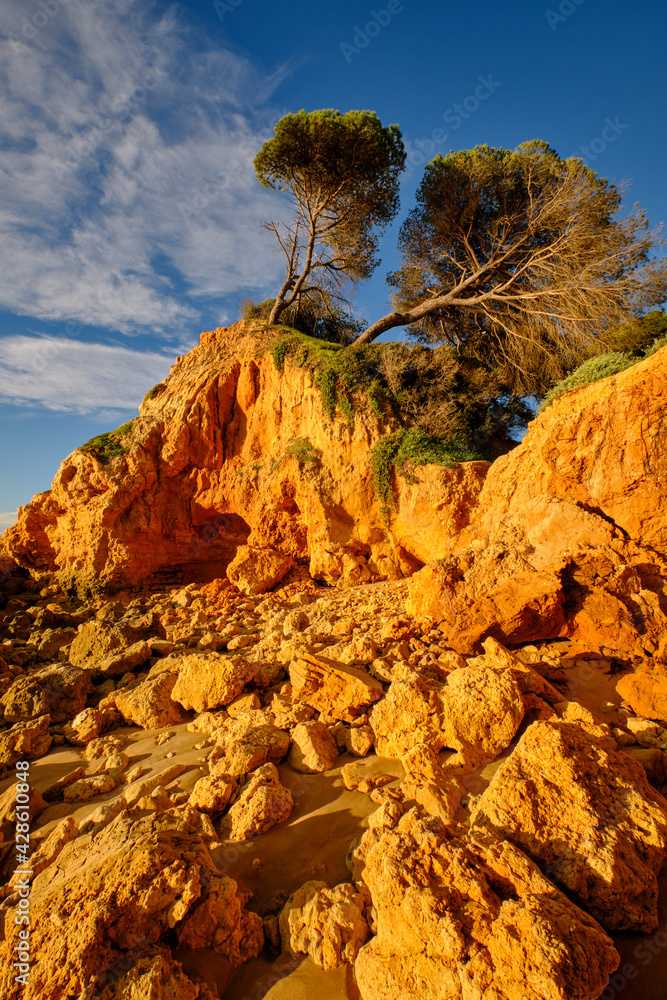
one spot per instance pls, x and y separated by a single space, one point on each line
108 445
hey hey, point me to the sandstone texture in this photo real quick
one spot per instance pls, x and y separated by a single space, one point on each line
209 680
495 927
255 570
585 812
331 687
330 925
313 748
262 803
207 470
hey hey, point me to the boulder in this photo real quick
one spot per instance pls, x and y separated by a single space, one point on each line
329 925
134 885
332 688
119 663
88 788
59 691
84 727
208 680
586 813
211 794
254 570
25 741
247 742
98 639
150 704
152 974
263 802
313 748
495 926
646 692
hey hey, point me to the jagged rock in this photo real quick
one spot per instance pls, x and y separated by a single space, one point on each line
359 740
254 570
84 727
262 803
211 794
358 776
8 806
51 641
88 788
244 703
332 688
151 972
115 764
48 851
432 785
653 762
126 889
216 920
476 711
286 712
104 746
25 741
54 790
646 692
208 680
97 640
150 704
647 733
587 813
121 662
495 927
59 691
247 742
313 748
328 924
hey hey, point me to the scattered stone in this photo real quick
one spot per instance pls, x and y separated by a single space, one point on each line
209 680
211 794
329 925
313 748
359 740
58 690
263 802
150 704
84 727
104 746
333 688
25 741
245 743
254 570
88 788
125 660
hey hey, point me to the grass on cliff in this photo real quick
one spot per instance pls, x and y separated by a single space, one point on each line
599 367
406 449
108 445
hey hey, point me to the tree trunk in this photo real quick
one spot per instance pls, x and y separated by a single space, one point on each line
278 307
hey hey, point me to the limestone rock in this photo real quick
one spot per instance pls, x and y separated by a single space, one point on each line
262 803
48 851
410 713
59 691
432 785
359 740
84 727
211 794
646 692
333 688
254 570
104 746
25 741
152 974
313 748
495 927
128 888
247 742
585 812
118 663
286 712
220 922
97 640
150 704
88 788
328 924
209 680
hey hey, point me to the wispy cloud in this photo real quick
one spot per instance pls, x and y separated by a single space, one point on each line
128 194
76 377
6 520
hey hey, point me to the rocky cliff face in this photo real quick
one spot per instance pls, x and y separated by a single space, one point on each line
569 535
230 452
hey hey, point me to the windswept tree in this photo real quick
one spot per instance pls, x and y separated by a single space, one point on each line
519 258
341 172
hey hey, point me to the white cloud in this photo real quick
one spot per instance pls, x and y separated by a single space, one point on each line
128 193
76 377
7 520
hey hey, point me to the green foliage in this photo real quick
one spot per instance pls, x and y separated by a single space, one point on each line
640 335
592 370
108 445
314 314
406 449
655 346
303 450
517 257
337 372
155 390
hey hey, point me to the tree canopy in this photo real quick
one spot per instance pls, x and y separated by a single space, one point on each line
341 172
517 257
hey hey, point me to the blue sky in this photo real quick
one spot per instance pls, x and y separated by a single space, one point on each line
130 214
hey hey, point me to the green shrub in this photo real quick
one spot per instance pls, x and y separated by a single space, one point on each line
406 449
108 445
155 390
592 370
303 450
655 346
